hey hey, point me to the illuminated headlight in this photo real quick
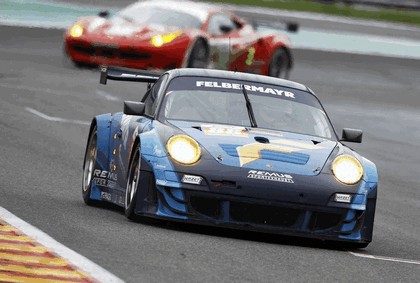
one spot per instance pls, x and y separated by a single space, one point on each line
347 169
159 40
184 149
76 30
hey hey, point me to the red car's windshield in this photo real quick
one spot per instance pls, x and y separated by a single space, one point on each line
161 16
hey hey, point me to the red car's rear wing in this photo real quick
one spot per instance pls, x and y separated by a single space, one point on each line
120 74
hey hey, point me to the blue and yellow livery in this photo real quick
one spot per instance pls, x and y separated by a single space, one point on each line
233 150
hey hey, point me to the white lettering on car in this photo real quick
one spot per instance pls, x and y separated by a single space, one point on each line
261 89
270 176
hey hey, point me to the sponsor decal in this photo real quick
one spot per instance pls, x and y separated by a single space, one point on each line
100 182
104 183
346 198
270 176
160 166
253 88
216 130
161 182
250 58
106 196
105 174
104 178
191 179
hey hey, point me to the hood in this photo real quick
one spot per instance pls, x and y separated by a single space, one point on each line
261 149
120 28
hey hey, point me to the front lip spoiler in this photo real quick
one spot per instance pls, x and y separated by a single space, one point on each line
254 228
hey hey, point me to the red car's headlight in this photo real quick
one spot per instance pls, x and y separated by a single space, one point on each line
159 40
76 30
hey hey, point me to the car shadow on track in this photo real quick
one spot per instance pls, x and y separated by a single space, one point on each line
248 235
228 232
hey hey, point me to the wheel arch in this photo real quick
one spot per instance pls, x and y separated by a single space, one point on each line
288 52
191 45
102 123
146 197
136 143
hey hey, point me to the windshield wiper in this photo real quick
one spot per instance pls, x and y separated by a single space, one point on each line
249 107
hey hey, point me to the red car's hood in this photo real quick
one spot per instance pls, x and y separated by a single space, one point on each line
121 28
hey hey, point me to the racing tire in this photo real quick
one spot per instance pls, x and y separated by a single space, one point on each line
279 64
133 178
199 55
89 166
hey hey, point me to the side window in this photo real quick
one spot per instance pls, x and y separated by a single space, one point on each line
221 24
153 96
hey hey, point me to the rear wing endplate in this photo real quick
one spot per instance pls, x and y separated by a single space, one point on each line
120 74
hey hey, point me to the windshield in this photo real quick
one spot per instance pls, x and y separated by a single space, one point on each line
157 15
223 102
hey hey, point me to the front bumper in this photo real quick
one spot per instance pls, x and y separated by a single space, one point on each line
304 208
124 55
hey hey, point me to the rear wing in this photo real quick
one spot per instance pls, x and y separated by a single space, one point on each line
120 74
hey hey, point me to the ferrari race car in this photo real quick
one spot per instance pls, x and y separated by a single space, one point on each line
233 150
165 35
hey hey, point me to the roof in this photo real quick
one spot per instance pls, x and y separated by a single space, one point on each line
199 10
237 76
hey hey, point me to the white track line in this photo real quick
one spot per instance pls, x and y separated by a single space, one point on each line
394 259
107 96
74 258
55 119
36 89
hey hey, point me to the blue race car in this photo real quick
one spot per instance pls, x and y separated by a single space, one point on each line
233 150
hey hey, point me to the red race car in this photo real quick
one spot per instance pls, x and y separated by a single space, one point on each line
166 35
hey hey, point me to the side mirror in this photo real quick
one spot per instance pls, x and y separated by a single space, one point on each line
225 29
103 14
134 108
292 27
352 135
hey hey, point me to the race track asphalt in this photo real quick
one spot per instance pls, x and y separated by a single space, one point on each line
42 169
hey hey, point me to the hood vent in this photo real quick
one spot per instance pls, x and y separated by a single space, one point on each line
262 140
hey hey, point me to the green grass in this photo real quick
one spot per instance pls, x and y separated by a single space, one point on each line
382 14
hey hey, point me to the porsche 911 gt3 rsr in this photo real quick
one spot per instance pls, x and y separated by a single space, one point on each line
172 34
233 150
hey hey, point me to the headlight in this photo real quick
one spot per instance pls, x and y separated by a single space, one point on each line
184 149
347 169
159 40
76 30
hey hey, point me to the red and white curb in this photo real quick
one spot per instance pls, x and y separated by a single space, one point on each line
29 255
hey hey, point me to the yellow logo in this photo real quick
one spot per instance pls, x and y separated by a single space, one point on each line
251 152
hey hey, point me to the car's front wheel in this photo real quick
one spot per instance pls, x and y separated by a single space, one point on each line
279 64
89 166
132 184
199 55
